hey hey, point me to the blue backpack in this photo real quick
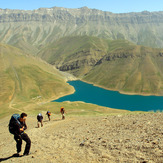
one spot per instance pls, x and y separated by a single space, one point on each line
14 120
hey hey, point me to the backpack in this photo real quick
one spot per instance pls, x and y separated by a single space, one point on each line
49 113
13 121
62 110
39 117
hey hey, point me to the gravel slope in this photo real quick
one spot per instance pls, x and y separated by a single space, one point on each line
120 138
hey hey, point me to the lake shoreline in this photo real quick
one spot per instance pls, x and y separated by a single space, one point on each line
121 92
93 94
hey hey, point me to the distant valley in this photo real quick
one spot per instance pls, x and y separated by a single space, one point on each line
122 52
86 61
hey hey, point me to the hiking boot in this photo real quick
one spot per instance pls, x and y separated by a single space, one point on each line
16 155
26 154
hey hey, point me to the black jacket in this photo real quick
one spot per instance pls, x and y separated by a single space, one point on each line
39 118
17 127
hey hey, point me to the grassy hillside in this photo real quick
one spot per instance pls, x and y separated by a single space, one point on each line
74 54
135 71
26 80
118 64
79 53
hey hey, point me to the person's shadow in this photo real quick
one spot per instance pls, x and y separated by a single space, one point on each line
7 158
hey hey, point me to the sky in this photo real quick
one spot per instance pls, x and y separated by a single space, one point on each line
115 6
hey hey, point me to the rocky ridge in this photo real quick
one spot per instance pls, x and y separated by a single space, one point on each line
29 26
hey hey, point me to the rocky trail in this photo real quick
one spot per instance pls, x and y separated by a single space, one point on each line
118 138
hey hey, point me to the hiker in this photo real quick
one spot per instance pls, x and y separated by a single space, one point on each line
17 126
48 114
63 112
39 120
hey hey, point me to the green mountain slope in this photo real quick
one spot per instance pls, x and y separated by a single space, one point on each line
75 54
25 80
118 64
129 72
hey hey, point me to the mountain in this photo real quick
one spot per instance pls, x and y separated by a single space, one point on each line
137 70
75 54
88 42
30 30
27 80
113 64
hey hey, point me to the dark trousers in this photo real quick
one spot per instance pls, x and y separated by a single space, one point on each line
49 117
19 139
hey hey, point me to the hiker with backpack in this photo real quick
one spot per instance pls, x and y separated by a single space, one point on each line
17 125
48 114
39 120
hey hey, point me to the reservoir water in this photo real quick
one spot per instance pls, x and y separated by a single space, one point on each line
91 94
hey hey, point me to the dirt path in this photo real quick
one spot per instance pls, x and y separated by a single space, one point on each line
128 138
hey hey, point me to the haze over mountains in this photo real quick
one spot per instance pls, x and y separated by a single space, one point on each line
32 29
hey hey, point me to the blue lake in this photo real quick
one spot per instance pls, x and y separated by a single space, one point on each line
91 94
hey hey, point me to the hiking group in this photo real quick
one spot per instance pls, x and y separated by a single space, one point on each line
17 125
